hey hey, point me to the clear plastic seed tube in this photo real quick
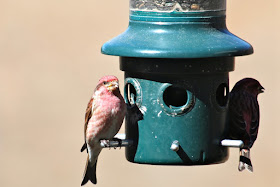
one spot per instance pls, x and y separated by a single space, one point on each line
177 5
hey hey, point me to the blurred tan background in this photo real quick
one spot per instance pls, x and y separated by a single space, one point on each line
50 62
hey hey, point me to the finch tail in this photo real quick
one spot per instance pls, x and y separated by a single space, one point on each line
84 147
90 173
245 161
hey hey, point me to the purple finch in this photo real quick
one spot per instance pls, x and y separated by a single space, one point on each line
104 116
244 117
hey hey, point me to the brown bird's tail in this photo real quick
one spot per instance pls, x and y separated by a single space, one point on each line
90 173
245 161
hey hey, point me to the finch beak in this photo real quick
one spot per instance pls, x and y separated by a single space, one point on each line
261 89
113 85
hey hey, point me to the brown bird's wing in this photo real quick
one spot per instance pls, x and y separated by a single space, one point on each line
251 117
87 117
244 118
237 124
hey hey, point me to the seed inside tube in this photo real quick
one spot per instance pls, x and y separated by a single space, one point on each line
195 7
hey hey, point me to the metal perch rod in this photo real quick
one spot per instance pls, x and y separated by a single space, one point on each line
232 143
122 142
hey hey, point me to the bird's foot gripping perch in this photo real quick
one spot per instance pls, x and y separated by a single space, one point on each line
111 143
244 161
105 143
115 142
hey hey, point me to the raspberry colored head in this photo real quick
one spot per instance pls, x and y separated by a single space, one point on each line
109 82
108 78
250 85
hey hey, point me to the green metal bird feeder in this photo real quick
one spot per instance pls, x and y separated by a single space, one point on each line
177 55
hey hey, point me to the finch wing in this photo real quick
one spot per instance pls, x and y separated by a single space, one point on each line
252 117
237 122
87 117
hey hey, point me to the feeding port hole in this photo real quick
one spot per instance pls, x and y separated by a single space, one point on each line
175 96
131 93
222 94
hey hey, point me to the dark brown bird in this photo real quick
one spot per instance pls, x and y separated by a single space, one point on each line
244 116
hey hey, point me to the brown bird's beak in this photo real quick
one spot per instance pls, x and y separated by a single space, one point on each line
113 85
261 89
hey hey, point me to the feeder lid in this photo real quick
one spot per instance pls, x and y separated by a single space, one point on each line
177 29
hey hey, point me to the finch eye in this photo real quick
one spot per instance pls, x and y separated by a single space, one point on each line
104 82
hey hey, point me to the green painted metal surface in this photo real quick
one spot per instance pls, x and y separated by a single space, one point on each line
188 107
176 72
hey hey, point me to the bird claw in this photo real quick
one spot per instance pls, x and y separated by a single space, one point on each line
119 142
106 143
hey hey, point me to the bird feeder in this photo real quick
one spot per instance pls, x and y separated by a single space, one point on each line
177 55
